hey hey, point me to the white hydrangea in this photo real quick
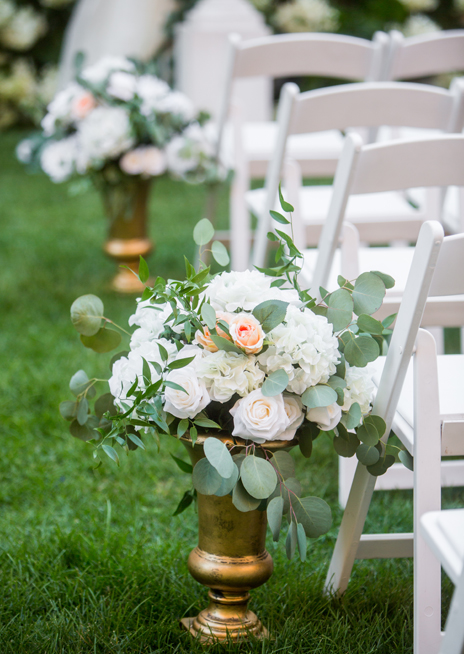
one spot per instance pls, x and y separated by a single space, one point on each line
60 109
24 150
58 159
122 85
23 29
420 5
306 16
419 24
186 151
230 291
98 72
151 318
227 373
175 103
150 90
127 369
305 340
105 133
359 388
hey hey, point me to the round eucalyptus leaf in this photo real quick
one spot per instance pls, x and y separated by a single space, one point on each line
220 254
275 510
387 279
87 314
80 383
209 315
377 422
289 488
104 404
320 395
203 232
382 465
68 409
103 341
242 500
83 432
205 478
227 485
314 514
369 324
368 293
353 417
361 350
258 477
83 411
284 464
305 441
406 459
275 383
367 433
238 459
219 457
346 447
340 309
367 454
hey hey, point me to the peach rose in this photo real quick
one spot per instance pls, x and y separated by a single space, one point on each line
204 338
83 105
247 333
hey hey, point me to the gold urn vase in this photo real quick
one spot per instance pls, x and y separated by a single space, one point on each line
126 206
230 559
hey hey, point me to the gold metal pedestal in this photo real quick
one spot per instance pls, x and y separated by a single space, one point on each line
126 206
230 559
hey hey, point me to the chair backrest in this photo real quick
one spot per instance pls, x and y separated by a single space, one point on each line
425 55
289 55
391 166
372 104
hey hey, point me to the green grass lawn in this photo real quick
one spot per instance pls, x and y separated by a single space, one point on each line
92 561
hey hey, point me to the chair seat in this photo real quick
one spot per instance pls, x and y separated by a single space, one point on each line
444 532
317 153
450 383
379 217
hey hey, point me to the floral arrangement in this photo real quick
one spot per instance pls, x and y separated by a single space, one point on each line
27 76
250 355
116 121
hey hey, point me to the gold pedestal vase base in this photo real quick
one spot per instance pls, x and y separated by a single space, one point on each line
126 252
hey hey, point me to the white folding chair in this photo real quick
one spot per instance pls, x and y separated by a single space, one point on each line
444 533
248 147
379 220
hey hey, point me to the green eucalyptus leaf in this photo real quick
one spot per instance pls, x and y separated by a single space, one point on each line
369 324
361 350
206 479
368 293
86 314
289 489
103 341
203 232
314 514
367 454
83 411
284 464
406 459
275 510
80 383
382 465
305 441
68 409
258 477
275 383
336 382
111 452
270 313
143 270
388 281
105 404
83 432
367 433
339 309
302 543
346 446
219 457
389 320
291 540
228 484
209 315
220 254
242 500
352 418
320 395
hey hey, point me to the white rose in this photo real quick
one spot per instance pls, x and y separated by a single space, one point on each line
326 417
259 418
193 401
122 85
175 103
294 410
98 72
149 90
145 160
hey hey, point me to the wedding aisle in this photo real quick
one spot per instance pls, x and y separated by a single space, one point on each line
91 560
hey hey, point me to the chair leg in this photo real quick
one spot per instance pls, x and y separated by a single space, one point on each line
350 531
346 471
427 496
453 640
